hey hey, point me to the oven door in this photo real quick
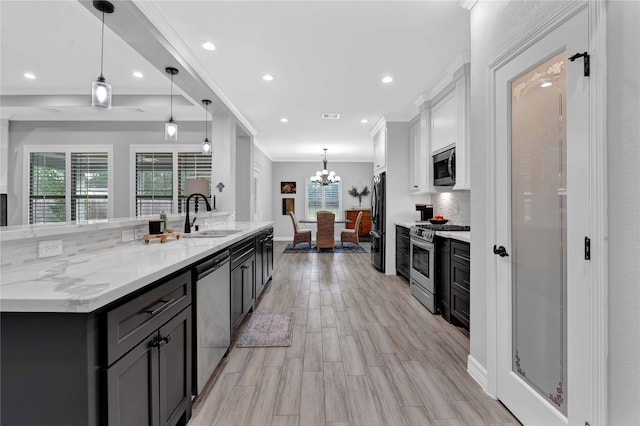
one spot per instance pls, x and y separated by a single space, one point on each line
421 273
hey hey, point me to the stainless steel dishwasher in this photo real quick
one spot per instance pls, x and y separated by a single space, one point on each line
212 316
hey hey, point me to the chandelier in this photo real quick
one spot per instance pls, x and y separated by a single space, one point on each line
324 176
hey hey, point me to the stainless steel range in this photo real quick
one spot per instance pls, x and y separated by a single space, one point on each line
422 261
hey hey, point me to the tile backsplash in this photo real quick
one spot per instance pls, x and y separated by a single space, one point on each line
24 251
455 206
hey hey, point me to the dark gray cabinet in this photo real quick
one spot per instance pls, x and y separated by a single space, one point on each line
402 251
460 272
264 260
151 384
242 281
442 274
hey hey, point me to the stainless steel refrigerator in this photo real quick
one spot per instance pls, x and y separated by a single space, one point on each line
377 221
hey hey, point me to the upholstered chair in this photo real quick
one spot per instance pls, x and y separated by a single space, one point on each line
325 237
299 235
351 235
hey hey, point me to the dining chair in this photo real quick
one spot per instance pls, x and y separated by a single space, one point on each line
351 235
325 235
299 235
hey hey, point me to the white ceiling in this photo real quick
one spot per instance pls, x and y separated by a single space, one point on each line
326 56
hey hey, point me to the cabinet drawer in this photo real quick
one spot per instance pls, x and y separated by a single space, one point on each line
460 251
460 305
133 321
460 275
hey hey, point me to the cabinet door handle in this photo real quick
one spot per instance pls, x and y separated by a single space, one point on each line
161 308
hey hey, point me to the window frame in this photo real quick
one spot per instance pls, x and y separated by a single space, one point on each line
174 150
67 150
306 199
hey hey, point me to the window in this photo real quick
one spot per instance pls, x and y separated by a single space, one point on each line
320 197
68 184
160 177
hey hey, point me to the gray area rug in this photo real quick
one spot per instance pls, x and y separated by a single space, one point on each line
265 329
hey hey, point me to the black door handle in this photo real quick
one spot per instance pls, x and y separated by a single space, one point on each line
500 251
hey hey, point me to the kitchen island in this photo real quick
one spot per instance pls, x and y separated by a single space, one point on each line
104 336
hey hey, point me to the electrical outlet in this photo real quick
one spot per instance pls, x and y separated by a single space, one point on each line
128 235
49 248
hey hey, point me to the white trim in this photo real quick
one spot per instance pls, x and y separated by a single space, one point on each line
598 283
477 372
67 150
598 205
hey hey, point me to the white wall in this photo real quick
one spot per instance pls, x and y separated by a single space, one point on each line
263 167
119 134
495 26
352 174
623 161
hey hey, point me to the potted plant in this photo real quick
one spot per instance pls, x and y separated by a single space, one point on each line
355 194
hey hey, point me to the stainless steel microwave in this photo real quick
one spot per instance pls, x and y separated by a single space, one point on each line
444 168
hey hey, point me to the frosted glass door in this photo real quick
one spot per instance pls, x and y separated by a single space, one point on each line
539 230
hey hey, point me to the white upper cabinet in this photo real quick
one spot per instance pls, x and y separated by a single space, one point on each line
444 121
379 134
419 160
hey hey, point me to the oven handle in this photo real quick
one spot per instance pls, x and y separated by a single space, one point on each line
422 244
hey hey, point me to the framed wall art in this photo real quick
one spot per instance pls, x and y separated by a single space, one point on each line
287 187
288 205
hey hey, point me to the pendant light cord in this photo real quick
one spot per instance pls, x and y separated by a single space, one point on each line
102 46
171 98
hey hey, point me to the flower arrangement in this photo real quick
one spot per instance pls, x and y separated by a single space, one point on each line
355 194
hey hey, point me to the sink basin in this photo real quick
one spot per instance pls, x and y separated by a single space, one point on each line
212 233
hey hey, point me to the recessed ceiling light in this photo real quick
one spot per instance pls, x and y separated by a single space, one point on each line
207 45
138 74
387 79
30 75
267 77
364 120
284 120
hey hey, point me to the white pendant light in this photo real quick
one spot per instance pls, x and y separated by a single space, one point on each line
170 127
100 89
206 145
325 177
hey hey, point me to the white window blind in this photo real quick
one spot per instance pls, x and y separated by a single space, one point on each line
320 197
47 173
89 185
154 183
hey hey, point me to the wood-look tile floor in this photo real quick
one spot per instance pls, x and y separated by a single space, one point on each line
364 352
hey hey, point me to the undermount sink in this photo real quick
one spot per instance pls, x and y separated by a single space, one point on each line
212 233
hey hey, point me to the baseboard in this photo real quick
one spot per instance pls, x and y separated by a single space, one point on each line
477 371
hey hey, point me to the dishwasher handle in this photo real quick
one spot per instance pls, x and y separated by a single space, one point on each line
212 265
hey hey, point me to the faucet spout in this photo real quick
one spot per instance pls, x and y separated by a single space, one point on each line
187 223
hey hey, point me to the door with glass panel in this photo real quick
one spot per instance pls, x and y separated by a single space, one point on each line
542 195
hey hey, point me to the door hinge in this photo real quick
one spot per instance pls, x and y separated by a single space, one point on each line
586 56
587 248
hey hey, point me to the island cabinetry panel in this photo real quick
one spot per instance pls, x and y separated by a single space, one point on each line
365 222
79 369
460 271
242 281
403 242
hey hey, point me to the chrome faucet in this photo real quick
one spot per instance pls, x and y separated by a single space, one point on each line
187 223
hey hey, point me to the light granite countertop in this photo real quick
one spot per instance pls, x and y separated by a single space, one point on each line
454 235
89 281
